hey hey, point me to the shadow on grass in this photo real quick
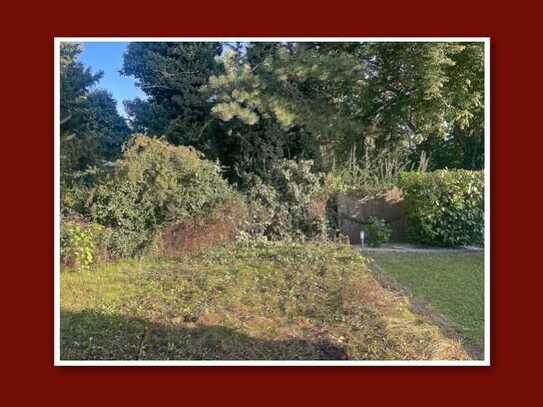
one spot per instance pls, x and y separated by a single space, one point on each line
89 335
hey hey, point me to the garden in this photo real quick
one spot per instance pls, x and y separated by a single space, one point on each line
208 224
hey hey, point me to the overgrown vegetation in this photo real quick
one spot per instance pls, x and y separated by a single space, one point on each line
153 187
291 124
445 208
375 172
250 300
290 203
205 225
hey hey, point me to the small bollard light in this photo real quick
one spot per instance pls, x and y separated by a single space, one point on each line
361 238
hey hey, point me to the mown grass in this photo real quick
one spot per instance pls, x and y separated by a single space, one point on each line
243 302
452 284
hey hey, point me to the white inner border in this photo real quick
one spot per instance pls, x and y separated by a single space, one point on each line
59 362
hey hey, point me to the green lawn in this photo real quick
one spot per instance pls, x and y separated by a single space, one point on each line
453 284
245 302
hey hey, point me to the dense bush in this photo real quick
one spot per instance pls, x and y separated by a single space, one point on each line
378 231
155 185
444 208
290 203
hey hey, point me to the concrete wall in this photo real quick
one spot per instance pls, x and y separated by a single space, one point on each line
385 205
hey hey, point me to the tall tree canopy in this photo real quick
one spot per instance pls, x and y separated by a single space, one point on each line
173 76
259 102
92 131
358 94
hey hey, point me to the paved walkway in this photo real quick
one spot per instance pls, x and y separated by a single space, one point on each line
409 248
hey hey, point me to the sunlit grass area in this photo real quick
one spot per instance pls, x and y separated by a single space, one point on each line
244 302
452 284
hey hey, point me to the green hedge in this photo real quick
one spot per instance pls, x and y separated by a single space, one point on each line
445 207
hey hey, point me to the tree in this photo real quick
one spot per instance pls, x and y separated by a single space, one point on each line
75 80
363 95
320 101
430 96
92 131
173 76
104 122
295 84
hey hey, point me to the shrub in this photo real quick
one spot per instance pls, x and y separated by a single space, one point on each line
202 232
76 188
118 243
263 203
444 208
155 185
378 231
290 203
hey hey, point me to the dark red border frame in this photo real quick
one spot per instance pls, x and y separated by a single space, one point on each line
27 327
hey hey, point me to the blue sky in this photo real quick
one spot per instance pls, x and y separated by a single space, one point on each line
108 57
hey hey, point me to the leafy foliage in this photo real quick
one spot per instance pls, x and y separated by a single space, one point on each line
457 152
156 184
294 83
172 76
75 79
378 231
289 203
78 245
363 112
318 101
463 146
445 208
246 151
367 95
